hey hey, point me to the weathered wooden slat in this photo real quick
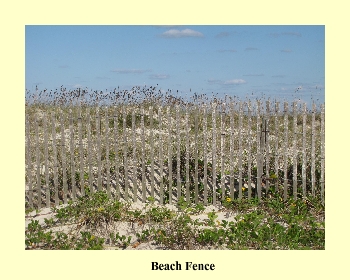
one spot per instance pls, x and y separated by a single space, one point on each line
151 139
285 150
125 149
143 174
295 154
98 139
160 146
187 182
222 150
37 152
63 158
267 144
276 155
55 163
46 154
232 150
249 150
29 163
170 156
89 151
322 152
134 160
116 151
205 157
240 149
178 141
81 152
303 168
259 153
214 151
313 138
195 112
72 153
107 144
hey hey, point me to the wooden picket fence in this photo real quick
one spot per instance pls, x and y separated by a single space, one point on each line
203 152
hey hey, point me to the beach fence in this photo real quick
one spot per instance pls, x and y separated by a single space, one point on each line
204 153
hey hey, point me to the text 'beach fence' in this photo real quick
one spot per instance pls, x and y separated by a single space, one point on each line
203 152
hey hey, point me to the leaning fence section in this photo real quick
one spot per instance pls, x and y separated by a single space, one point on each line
204 153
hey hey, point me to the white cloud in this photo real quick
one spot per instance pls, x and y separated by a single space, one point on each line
175 33
130 71
235 82
228 82
159 76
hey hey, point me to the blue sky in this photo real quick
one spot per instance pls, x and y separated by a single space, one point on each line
285 62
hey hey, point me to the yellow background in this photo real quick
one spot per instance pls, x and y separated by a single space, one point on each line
16 263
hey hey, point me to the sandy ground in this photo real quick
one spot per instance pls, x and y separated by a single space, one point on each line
130 229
